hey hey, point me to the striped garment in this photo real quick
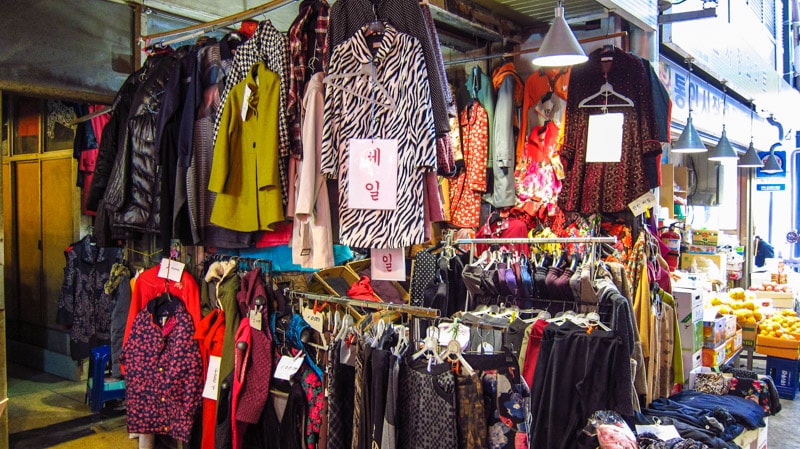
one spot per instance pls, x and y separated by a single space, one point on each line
400 68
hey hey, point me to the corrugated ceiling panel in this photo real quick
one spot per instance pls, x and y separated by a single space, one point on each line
543 9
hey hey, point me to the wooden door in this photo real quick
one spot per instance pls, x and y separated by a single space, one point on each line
41 210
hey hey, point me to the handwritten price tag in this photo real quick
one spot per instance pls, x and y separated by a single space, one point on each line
644 202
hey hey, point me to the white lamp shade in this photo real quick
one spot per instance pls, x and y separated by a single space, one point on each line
689 140
723 150
560 47
750 158
772 165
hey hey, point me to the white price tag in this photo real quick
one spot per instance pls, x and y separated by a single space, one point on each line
245 102
604 138
388 264
212 378
662 432
255 319
314 319
171 269
373 174
287 366
644 202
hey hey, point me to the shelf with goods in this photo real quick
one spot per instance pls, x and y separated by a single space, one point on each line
674 189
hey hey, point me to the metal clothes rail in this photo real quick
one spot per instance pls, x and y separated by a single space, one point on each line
423 312
222 22
540 241
529 50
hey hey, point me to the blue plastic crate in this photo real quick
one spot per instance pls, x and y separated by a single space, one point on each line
784 373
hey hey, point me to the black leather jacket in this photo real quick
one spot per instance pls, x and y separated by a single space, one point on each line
133 193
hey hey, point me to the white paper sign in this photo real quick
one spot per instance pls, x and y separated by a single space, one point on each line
388 264
171 269
314 319
212 378
373 174
604 139
662 432
245 102
287 366
644 202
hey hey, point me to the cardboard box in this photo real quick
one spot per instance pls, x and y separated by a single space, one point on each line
730 348
738 339
689 308
755 438
700 260
778 347
749 333
705 237
714 326
730 326
714 356
691 360
780 300
702 249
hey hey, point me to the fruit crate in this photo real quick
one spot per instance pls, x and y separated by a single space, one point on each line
784 373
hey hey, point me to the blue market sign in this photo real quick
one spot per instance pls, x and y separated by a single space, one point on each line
770 187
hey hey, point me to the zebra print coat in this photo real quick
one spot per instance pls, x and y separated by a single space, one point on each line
400 68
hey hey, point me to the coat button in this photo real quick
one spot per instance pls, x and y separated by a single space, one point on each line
163 399
166 428
160 369
254 144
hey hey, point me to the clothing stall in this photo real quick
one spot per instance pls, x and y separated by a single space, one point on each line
358 253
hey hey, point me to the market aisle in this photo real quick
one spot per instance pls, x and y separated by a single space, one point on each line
47 411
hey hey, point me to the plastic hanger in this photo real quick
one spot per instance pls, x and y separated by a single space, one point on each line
368 70
453 355
430 347
606 91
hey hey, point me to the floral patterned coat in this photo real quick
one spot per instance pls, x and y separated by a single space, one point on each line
83 305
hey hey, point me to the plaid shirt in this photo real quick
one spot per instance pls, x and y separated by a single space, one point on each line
300 67
268 45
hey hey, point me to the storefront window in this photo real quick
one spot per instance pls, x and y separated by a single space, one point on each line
26 135
60 131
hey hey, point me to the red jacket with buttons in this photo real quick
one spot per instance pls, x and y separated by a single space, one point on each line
163 381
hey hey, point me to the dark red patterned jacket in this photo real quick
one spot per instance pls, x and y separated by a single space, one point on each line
163 371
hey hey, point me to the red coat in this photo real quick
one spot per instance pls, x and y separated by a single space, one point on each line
149 286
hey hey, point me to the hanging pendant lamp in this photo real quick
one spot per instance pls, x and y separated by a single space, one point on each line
560 47
689 140
772 165
750 157
723 151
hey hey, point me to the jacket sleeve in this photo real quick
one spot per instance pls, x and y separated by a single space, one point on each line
109 142
66 300
220 165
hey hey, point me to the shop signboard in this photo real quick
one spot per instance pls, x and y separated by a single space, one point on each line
740 46
707 102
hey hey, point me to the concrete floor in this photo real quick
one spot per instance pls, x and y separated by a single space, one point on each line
38 400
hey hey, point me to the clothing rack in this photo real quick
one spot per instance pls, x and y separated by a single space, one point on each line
530 50
90 116
222 22
373 305
540 240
